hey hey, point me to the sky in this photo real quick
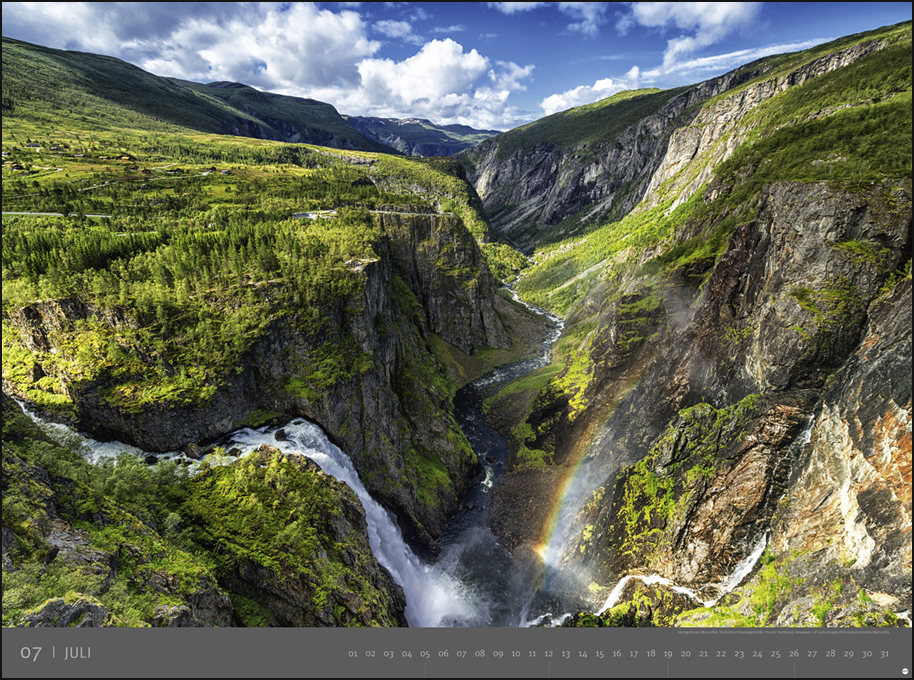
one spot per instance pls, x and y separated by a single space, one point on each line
490 65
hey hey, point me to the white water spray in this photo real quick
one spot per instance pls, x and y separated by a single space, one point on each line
540 620
616 592
806 435
745 566
92 450
433 597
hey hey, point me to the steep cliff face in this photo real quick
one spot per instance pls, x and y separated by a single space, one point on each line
696 505
534 187
849 497
446 272
787 312
364 368
821 478
783 306
840 537
714 134
727 384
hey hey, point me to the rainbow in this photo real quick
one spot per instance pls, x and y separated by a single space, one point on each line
550 545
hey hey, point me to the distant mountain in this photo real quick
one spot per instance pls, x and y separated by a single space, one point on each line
418 136
48 85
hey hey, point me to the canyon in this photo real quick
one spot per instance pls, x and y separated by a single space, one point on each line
733 378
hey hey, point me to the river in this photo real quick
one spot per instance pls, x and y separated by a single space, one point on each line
473 580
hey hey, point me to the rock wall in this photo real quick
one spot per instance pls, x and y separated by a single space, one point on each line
392 417
783 307
849 497
714 134
542 184
538 186
801 309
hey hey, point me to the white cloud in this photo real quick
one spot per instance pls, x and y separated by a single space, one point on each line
721 63
417 14
441 82
583 94
510 76
284 47
401 30
589 15
440 68
515 7
705 22
456 28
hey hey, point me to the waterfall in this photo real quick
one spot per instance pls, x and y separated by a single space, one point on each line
474 581
616 592
740 571
745 565
432 596
806 435
90 449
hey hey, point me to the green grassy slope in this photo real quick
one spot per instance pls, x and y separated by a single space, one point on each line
593 123
98 92
274 110
201 247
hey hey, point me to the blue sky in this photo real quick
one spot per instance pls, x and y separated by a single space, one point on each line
489 65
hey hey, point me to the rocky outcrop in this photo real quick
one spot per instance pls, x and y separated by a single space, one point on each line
849 497
322 573
81 611
341 582
715 133
801 308
388 395
700 500
446 272
36 322
207 604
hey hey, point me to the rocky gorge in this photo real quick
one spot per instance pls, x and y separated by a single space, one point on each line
704 419
732 386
